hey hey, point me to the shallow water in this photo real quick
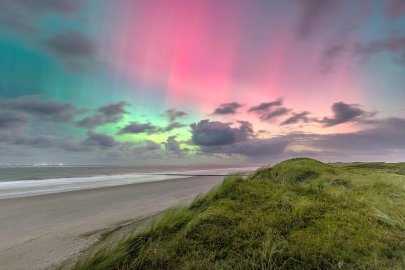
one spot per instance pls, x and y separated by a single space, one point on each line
31 181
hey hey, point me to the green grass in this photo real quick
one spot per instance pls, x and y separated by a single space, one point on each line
299 214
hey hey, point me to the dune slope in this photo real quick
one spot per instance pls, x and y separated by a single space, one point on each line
299 214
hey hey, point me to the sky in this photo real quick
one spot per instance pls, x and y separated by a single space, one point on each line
207 81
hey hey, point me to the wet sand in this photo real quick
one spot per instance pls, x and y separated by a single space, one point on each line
41 232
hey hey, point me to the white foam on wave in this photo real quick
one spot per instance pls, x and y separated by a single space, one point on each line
25 188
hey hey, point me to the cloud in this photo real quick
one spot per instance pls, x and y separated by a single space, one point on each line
246 127
142 148
329 57
213 133
220 138
264 107
110 113
343 113
71 44
173 115
268 116
12 19
254 148
296 118
382 138
149 145
39 6
172 126
227 108
100 140
386 135
22 15
42 141
314 12
136 128
394 44
12 119
92 121
395 9
269 111
114 110
33 105
173 146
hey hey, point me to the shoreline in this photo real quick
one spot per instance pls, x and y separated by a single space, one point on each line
37 187
44 231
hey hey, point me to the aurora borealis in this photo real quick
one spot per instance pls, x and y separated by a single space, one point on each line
207 81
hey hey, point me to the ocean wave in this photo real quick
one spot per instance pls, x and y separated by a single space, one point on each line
25 188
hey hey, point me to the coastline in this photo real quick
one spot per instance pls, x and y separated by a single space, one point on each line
42 232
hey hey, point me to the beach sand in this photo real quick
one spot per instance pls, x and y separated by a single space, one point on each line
41 232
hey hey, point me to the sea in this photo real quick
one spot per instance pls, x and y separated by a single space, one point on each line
24 181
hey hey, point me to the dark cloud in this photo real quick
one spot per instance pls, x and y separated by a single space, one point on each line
213 133
12 119
136 128
173 146
269 116
269 111
173 125
384 136
394 44
254 148
21 15
33 105
11 19
220 138
42 141
100 140
39 6
92 121
140 149
95 143
395 9
264 107
71 44
330 57
73 146
343 113
246 127
227 108
314 13
296 118
381 138
173 114
149 146
114 110
110 113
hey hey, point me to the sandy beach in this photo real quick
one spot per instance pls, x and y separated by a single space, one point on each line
40 232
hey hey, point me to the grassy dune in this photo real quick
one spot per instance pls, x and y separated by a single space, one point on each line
299 214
